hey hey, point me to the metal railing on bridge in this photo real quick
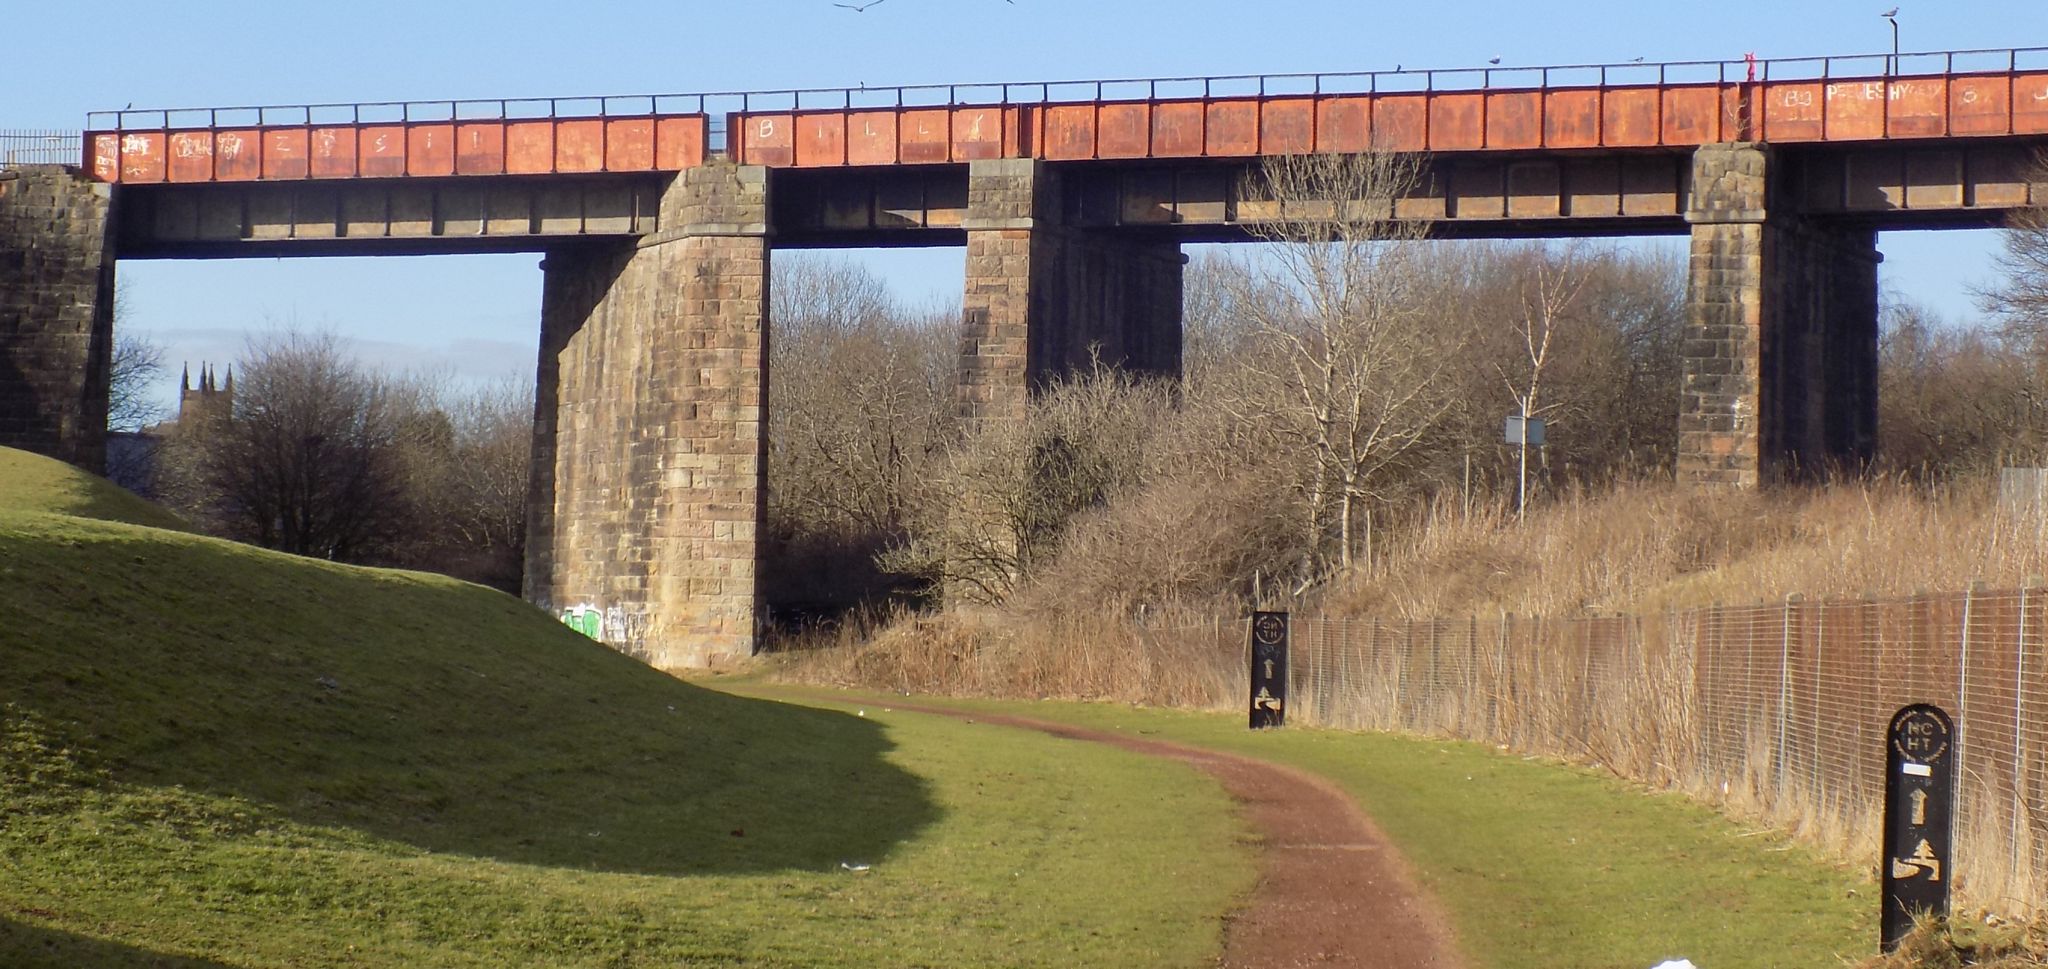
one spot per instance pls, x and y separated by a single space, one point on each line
32 147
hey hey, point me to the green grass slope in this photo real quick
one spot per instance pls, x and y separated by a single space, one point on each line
212 755
33 483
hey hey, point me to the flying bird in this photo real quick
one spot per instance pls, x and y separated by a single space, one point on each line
858 7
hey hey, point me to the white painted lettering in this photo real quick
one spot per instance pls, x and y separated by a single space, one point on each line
106 161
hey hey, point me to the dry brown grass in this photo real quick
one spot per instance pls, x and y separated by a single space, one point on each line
986 652
1645 548
1979 940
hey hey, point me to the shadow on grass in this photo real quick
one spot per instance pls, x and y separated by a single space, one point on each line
420 711
34 947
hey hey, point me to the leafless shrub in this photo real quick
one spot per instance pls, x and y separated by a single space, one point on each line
1000 504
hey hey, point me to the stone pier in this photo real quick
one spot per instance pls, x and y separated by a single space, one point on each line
56 313
1780 368
1044 299
649 449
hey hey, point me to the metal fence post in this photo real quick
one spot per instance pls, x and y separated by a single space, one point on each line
1784 683
1820 640
2019 759
1970 594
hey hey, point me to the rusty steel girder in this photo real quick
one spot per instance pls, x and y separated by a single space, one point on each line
1450 112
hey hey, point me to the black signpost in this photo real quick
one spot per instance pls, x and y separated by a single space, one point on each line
1269 669
1919 818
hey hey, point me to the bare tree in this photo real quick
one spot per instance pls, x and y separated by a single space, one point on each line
1545 291
1353 366
137 364
1955 399
862 393
1608 362
463 456
305 460
860 402
2020 299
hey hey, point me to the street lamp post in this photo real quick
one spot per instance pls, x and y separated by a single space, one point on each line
1893 66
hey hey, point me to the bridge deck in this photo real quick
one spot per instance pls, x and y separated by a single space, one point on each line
1493 109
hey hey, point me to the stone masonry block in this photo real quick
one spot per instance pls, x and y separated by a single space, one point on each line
660 346
56 313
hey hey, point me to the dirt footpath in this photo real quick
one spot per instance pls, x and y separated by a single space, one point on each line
1332 890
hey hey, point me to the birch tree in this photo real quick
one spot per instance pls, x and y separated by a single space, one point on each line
1546 291
1351 371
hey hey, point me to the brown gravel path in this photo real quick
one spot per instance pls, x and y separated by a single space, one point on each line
1332 890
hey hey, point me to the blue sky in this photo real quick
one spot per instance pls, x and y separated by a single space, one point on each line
478 316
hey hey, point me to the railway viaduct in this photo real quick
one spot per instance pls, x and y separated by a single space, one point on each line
657 217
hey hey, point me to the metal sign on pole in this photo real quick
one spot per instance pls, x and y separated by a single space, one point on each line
1523 430
1919 819
1269 669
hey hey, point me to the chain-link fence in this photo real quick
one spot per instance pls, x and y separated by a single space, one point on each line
19 147
1777 709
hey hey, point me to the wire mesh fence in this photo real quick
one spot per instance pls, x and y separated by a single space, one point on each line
28 147
1775 709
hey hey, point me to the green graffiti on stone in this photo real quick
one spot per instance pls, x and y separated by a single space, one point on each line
585 620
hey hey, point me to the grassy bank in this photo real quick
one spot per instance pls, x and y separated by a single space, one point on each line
1546 865
216 756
